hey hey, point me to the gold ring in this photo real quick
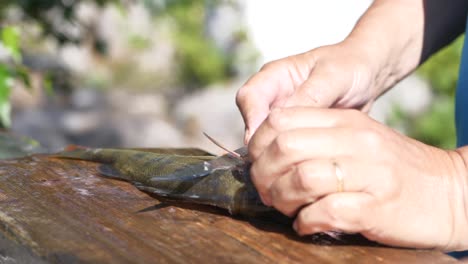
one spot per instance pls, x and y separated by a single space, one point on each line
339 177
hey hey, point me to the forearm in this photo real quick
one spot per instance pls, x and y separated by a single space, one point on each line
390 33
398 35
459 196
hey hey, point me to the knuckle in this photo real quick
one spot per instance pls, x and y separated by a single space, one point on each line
355 212
331 68
256 179
370 138
333 207
313 92
242 95
353 114
283 144
305 225
303 179
277 197
277 119
269 65
282 206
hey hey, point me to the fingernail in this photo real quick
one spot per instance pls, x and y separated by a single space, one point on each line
265 200
295 226
246 137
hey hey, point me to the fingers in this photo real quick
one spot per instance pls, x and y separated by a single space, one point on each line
282 119
310 180
348 212
294 147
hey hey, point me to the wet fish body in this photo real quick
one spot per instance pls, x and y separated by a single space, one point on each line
218 181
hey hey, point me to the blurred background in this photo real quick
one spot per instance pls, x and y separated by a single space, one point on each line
157 73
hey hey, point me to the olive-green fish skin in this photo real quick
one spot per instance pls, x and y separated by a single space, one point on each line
229 187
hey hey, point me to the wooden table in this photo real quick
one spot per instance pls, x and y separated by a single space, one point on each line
62 211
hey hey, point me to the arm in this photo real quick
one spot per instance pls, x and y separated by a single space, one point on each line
403 34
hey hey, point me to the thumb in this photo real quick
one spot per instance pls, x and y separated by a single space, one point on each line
254 100
254 110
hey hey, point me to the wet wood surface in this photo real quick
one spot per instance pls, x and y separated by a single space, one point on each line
62 211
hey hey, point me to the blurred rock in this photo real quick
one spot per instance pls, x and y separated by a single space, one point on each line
85 99
149 131
41 126
222 24
79 122
412 95
212 110
132 103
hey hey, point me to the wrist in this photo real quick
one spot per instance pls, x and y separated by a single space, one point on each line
458 197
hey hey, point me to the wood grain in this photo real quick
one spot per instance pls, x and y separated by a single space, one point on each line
62 211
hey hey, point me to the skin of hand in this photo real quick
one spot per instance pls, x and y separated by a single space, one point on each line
397 191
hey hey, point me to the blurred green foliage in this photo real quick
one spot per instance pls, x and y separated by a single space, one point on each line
199 61
436 126
53 16
39 12
9 69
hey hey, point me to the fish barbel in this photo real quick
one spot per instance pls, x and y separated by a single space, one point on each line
218 181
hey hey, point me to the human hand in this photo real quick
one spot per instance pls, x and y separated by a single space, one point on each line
340 76
397 191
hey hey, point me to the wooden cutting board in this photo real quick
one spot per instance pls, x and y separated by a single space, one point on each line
62 211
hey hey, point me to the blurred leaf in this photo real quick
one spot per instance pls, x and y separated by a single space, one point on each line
139 42
442 68
5 88
48 87
200 61
22 73
437 125
10 37
13 146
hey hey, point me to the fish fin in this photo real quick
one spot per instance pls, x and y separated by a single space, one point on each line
187 197
111 172
190 173
153 190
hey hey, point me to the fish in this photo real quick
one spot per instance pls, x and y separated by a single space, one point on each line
223 181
